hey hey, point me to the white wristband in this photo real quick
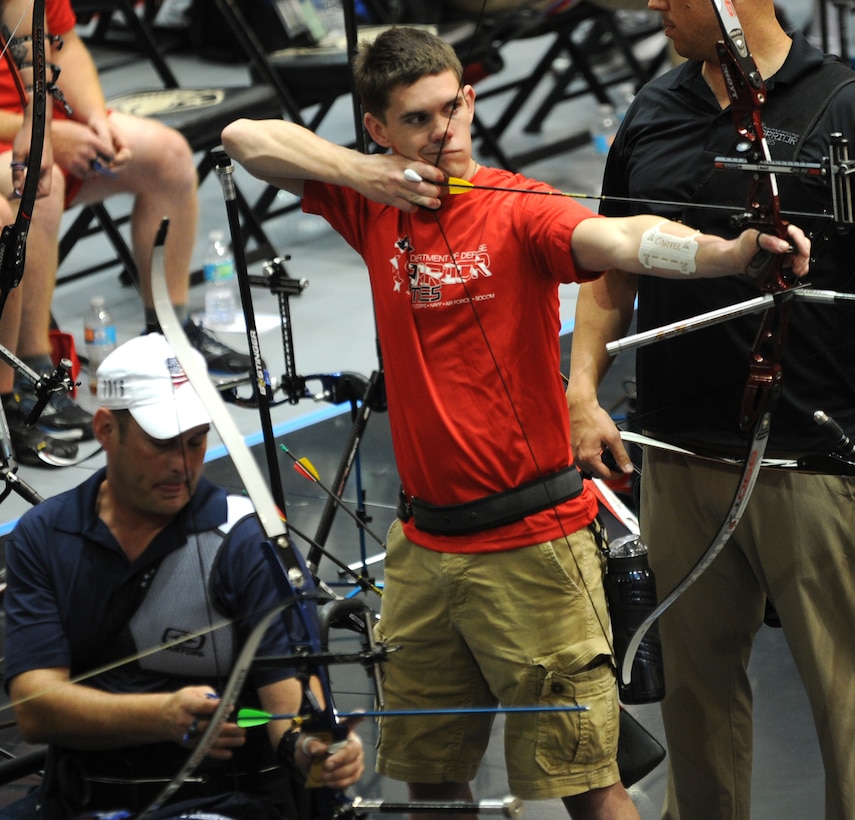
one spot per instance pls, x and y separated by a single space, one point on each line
666 251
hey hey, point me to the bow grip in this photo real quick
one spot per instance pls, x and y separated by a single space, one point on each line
323 725
766 269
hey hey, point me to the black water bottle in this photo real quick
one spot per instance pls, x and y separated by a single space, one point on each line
631 594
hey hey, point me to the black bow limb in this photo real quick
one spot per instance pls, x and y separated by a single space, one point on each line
13 238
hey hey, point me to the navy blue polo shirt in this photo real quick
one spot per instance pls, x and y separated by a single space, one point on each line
70 586
691 386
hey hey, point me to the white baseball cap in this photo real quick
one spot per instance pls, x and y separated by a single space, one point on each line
144 377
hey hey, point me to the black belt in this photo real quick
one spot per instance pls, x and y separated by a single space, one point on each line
492 511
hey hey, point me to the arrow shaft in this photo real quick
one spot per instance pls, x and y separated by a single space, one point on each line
330 494
255 717
462 187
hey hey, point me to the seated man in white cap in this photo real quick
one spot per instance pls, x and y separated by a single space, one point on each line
144 550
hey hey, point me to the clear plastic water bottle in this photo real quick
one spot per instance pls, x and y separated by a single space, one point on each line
605 128
220 283
99 336
631 593
624 95
330 18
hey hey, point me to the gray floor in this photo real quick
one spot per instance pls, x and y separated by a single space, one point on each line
333 331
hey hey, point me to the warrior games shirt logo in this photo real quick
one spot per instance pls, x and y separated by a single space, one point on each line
426 274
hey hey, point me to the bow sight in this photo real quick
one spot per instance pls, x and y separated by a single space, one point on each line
837 168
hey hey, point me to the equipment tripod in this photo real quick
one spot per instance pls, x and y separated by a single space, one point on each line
364 395
45 386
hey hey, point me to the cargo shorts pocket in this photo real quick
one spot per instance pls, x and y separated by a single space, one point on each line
586 737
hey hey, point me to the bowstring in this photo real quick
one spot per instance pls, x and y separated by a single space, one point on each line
221 675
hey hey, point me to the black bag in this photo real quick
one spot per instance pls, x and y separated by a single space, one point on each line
639 753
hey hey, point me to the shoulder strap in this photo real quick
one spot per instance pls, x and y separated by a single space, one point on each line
788 112
820 110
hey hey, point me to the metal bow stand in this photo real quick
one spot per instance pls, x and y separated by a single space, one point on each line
365 396
59 381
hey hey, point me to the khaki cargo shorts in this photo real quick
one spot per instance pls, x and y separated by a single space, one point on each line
523 628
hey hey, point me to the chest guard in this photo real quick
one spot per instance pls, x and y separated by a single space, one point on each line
179 602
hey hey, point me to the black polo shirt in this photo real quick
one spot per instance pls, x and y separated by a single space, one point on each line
691 386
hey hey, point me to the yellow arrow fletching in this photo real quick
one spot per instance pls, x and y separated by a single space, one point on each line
306 466
459 186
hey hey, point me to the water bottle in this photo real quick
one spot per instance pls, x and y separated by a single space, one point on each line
330 18
99 336
631 594
605 128
625 96
220 290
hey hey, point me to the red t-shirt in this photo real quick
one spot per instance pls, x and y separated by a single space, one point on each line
460 430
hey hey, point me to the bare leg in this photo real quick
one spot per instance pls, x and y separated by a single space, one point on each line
30 444
162 177
10 320
10 323
610 803
40 268
440 791
41 247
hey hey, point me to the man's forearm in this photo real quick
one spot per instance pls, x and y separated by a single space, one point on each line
604 311
52 710
285 154
17 24
16 15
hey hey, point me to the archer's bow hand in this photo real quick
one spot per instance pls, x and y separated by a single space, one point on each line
334 765
757 252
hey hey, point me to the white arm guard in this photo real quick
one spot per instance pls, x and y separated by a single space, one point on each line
666 251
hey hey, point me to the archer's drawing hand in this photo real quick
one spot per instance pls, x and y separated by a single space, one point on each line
189 709
405 184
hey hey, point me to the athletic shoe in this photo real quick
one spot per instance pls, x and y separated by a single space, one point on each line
61 418
220 358
33 446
